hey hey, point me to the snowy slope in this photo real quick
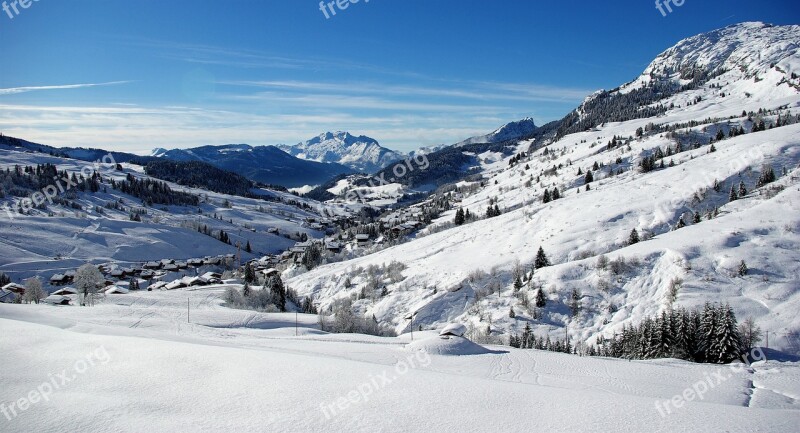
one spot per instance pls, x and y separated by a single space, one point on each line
360 153
751 51
762 228
47 244
137 363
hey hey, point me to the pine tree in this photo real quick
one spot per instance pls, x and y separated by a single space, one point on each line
681 223
546 197
541 259
696 218
743 270
733 196
460 217
633 238
728 341
742 189
589 178
246 292
556 195
511 313
517 284
767 176
707 348
278 292
541 301
249 274
248 248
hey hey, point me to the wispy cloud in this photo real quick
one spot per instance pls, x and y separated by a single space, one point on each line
469 90
25 89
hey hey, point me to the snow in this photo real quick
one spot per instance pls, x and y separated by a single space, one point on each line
68 239
135 361
447 346
762 229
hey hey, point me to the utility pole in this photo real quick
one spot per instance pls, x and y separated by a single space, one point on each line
411 317
187 310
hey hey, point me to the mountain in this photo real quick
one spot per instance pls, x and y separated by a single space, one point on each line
361 153
700 156
509 131
751 51
265 164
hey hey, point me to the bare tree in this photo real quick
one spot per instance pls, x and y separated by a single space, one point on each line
750 332
33 290
87 281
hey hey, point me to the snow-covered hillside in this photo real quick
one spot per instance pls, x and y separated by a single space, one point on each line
62 237
137 361
465 273
360 153
755 54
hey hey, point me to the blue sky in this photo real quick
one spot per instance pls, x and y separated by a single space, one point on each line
135 75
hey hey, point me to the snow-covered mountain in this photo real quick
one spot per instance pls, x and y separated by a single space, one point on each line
509 131
707 132
749 52
360 153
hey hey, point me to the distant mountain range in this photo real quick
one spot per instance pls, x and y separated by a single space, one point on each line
266 164
360 153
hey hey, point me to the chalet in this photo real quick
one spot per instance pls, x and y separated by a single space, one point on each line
211 278
177 284
195 262
118 273
117 289
152 265
301 247
165 262
171 267
57 300
181 265
15 288
58 280
157 285
453 330
362 238
333 246
147 274
65 291
270 272
272 230
70 275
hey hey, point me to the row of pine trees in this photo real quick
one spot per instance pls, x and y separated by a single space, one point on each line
708 335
